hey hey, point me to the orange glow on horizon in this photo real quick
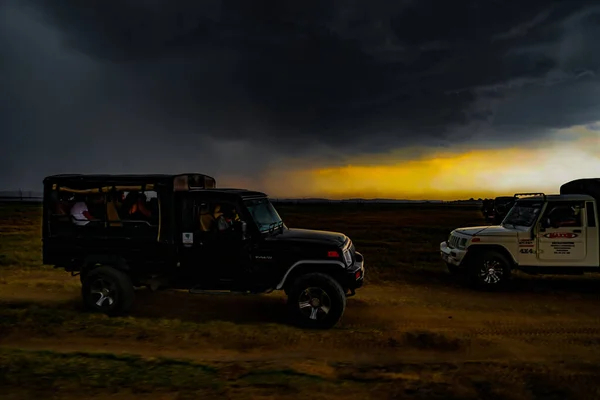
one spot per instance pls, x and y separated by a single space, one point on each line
446 176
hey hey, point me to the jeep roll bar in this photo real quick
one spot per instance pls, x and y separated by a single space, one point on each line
516 196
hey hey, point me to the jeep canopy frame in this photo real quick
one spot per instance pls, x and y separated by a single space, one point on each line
177 182
60 190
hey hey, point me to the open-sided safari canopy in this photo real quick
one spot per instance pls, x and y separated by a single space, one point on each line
110 199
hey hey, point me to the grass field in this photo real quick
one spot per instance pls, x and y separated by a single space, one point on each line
412 331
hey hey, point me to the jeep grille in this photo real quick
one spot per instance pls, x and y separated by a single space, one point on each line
453 242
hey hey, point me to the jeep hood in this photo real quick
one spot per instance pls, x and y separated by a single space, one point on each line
309 235
494 230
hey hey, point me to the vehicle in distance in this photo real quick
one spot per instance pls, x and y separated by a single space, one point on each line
487 209
181 231
541 234
501 207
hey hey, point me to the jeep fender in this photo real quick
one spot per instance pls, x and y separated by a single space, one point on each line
306 266
95 260
475 249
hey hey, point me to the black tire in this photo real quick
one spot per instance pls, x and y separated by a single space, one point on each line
116 286
330 294
489 270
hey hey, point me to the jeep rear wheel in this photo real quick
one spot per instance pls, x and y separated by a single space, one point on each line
107 290
316 301
489 270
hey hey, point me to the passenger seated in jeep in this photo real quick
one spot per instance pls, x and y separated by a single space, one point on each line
79 212
137 206
563 217
61 203
226 219
207 219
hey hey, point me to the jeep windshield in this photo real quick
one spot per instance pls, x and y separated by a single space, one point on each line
523 213
264 214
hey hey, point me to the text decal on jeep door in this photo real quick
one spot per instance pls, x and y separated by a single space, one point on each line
560 235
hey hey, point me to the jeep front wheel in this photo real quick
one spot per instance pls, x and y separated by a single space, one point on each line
107 290
316 301
489 270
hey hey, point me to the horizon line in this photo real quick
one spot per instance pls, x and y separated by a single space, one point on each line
39 196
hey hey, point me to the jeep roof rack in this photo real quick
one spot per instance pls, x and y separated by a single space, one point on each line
542 195
179 182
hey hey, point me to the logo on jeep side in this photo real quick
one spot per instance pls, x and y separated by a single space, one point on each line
187 238
263 257
560 235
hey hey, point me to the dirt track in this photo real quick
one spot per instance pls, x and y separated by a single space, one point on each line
420 335
386 319
387 331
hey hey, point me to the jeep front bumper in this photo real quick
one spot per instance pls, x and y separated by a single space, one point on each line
355 276
450 255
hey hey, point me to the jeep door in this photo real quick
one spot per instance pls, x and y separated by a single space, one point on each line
211 259
562 234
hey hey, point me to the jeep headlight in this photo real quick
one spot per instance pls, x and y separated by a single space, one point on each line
347 257
462 244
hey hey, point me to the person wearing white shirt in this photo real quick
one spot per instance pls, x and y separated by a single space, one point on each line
80 213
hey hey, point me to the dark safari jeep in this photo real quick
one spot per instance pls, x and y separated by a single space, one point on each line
180 231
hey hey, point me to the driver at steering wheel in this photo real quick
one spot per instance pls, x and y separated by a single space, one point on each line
227 218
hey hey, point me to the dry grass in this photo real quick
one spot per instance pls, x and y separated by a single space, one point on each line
411 332
76 374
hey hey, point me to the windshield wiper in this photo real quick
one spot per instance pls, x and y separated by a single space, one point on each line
273 226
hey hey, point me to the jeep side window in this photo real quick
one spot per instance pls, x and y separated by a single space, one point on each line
211 219
563 215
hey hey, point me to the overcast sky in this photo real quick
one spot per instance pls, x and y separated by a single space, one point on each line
256 93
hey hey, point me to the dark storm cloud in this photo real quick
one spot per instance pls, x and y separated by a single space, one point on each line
176 78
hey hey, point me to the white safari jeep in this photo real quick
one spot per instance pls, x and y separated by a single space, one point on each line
541 234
